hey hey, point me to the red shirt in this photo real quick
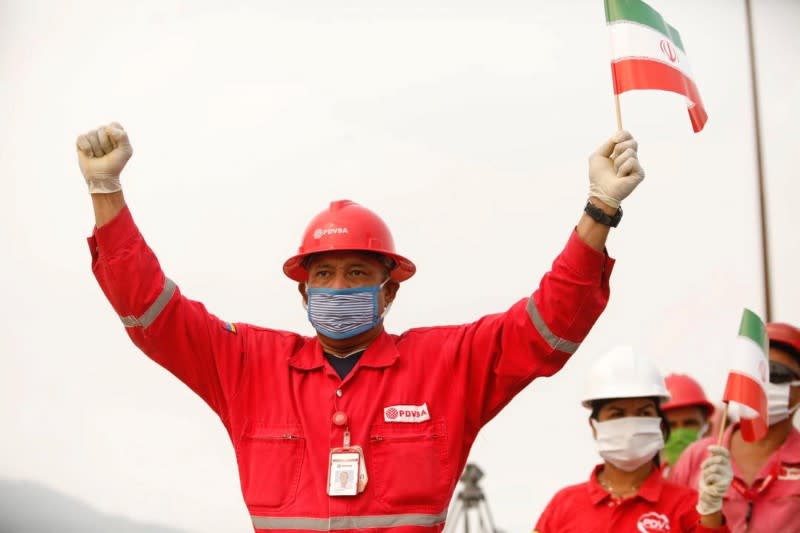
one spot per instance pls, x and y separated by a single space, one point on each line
774 495
415 401
658 507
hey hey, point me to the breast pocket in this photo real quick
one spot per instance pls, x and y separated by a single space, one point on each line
270 460
409 465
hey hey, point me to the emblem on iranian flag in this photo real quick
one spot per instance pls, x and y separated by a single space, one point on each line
669 50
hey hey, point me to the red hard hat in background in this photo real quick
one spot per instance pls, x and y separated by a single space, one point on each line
686 392
348 226
784 334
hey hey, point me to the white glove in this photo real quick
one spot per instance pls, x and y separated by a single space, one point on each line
614 169
716 476
102 154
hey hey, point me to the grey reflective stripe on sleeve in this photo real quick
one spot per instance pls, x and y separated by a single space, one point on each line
336 523
154 310
555 342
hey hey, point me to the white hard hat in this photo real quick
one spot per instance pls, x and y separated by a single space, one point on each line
622 373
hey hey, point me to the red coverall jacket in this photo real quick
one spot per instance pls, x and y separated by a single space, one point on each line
658 507
276 394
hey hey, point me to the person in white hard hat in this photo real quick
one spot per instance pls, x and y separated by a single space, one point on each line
627 491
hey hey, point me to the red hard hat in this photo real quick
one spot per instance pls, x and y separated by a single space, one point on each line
784 334
686 392
346 225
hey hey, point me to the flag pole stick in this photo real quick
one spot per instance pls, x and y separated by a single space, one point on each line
722 421
759 165
619 114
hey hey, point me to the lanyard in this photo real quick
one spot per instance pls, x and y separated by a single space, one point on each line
751 493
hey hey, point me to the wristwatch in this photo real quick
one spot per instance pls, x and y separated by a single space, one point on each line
601 216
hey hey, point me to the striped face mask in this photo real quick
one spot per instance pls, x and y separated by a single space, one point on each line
344 313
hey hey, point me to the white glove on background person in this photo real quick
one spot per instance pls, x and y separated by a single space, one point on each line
716 476
614 169
102 154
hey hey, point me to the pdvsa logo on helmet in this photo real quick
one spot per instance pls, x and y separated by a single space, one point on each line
322 232
406 413
653 523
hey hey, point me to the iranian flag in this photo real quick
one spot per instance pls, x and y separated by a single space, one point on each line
748 376
647 53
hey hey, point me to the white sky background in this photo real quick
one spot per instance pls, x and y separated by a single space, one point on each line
467 127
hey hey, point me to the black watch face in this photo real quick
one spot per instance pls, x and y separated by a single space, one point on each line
601 216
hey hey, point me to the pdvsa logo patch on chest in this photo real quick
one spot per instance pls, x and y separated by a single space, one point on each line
653 523
406 413
789 473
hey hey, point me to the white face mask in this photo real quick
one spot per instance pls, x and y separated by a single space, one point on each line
778 401
629 442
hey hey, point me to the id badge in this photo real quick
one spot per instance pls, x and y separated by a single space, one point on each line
344 468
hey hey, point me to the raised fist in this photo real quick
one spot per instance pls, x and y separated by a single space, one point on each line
614 169
102 154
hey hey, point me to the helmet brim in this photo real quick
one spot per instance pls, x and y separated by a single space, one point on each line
662 397
404 269
708 407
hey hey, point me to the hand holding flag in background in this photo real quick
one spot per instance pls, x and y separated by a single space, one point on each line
647 53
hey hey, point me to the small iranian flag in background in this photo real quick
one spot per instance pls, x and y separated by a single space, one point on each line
748 376
647 53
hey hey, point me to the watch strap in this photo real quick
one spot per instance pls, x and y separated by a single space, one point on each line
601 216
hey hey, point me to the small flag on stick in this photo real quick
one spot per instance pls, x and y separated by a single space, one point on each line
748 376
647 53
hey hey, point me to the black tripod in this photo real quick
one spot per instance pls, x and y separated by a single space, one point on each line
471 501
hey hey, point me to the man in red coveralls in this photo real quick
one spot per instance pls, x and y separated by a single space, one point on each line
400 412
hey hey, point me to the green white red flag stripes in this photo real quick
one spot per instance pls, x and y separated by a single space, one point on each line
748 375
647 53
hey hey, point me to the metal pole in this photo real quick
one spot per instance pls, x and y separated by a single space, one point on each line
759 163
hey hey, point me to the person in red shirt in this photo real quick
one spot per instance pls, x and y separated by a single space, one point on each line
688 412
627 491
765 494
397 413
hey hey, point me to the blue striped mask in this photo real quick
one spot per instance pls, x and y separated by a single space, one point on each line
344 313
